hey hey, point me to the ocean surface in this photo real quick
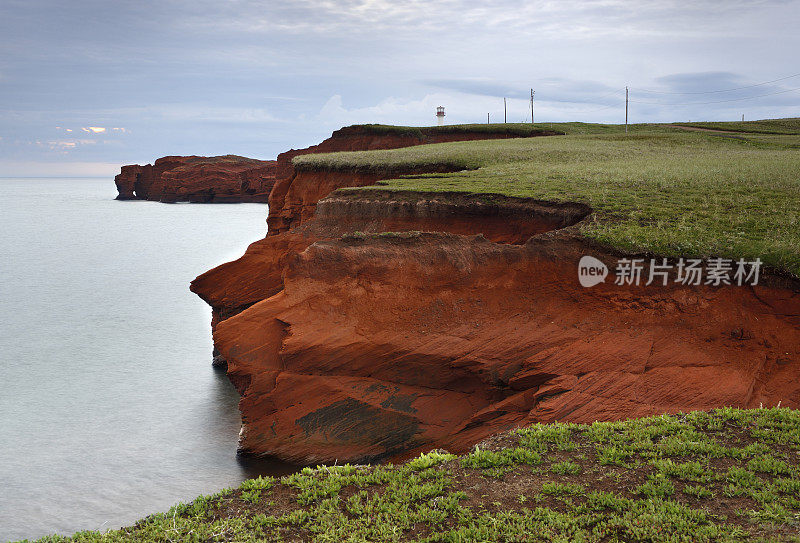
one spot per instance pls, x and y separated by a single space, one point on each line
109 407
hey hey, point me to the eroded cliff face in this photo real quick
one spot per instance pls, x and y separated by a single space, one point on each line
379 344
256 275
372 344
295 195
198 179
374 324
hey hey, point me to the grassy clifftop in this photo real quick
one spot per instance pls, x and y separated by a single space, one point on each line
728 475
658 189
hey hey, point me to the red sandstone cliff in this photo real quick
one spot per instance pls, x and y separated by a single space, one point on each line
198 179
292 197
382 344
378 343
348 344
234 286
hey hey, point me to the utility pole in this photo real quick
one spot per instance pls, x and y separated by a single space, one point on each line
505 111
532 93
626 110
487 118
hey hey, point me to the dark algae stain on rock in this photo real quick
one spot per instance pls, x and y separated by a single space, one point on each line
400 402
353 421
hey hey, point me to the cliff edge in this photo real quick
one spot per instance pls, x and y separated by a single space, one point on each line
375 323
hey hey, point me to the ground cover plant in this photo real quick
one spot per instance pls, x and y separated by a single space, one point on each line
724 475
658 189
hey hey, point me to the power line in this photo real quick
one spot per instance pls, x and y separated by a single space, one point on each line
616 104
612 93
722 90
600 99
717 101
600 108
616 93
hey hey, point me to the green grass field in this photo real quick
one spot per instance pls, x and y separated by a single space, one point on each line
658 189
767 126
724 476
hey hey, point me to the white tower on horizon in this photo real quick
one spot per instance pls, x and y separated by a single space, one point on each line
440 116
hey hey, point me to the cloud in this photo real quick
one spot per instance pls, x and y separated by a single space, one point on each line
727 89
214 113
459 108
59 168
95 129
255 77
389 111
700 81
484 87
547 89
673 94
562 19
66 145
62 144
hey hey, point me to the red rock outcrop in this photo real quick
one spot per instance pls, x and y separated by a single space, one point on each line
256 275
351 336
198 179
383 343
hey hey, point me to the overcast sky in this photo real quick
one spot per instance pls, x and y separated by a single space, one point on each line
88 85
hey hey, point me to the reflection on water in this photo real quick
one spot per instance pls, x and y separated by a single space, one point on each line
109 407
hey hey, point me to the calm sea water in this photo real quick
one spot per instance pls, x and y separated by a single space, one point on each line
109 407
